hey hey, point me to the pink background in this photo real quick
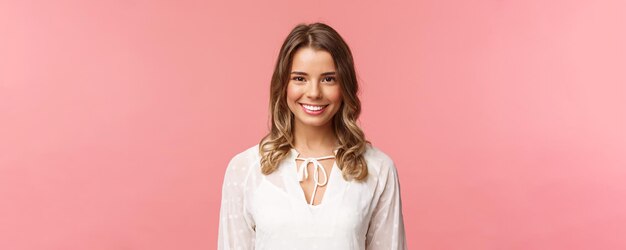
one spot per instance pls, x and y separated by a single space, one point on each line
506 119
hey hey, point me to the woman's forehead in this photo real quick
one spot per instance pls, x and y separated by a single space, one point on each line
312 61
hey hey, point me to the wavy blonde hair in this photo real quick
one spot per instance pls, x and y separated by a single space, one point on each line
275 146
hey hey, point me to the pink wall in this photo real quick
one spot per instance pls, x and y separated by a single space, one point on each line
118 117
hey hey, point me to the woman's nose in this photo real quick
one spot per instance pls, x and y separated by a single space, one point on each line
314 91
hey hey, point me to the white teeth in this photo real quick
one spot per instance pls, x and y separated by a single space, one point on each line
313 108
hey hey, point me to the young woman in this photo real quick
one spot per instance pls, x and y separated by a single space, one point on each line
313 182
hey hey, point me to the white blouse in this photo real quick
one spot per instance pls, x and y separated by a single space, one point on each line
271 212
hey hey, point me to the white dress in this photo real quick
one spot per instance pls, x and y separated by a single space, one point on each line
271 212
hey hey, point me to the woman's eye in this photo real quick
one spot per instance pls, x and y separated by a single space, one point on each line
298 78
329 78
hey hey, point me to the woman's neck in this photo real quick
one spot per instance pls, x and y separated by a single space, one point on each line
315 140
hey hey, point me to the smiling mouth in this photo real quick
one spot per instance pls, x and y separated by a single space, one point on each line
314 107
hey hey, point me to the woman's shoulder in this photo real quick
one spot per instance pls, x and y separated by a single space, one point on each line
242 161
378 161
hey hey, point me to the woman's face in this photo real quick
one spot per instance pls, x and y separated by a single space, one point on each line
313 92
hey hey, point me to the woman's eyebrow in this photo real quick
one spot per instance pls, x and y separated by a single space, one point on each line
305 74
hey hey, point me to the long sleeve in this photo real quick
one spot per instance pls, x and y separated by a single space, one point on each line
236 225
386 228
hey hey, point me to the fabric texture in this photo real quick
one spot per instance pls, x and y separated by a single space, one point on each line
271 212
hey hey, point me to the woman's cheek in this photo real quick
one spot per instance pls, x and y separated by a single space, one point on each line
335 95
292 92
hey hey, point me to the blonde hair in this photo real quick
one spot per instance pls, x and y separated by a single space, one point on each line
275 146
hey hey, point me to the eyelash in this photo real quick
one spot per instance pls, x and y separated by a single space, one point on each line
332 78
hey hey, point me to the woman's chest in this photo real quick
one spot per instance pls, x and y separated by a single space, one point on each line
279 205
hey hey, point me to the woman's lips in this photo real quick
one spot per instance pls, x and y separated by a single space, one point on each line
313 112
